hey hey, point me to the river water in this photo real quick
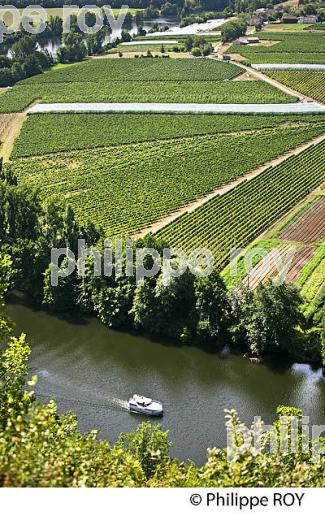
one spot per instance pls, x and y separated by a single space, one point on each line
93 370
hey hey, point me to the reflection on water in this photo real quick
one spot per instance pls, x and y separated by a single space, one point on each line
93 371
52 45
310 374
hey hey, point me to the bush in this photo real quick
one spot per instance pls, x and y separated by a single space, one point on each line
196 51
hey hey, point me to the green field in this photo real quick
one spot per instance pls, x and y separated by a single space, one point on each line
140 80
50 133
310 83
125 188
103 70
21 96
241 215
284 57
285 48
314 286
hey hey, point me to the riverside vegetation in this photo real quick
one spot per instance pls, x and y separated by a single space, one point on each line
40 447
206 313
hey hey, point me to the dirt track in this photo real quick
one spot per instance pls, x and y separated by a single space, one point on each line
11 133
153 228
260 76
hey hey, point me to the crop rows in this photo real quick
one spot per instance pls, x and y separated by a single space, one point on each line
143 92
313 287
309 83
268 267
131 69
127 187
51 133
309 226
283 57
286 42
236 218
284 48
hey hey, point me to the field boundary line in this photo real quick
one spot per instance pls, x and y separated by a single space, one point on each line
168 219
259 75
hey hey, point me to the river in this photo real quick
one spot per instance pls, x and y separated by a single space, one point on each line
92 370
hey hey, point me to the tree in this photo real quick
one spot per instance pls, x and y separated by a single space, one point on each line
95 42
166 309
23 48
149 445
266 318
169 9
232 30
73 49
310 9
196 51
211 306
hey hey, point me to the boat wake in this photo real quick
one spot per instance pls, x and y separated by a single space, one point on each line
74 394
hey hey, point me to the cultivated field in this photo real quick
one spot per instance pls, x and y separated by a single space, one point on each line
284 57
309 226
125 188
241 215
269 265
21 96
141 80
103 70
51 133
286 47
309 83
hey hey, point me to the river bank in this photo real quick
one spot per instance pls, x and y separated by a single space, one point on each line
93 370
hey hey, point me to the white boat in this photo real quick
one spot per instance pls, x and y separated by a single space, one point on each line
139 404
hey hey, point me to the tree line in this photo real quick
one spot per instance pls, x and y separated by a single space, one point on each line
39 447
188 309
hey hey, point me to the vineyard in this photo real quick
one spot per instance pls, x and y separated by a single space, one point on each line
241 215
51 133
285 47
127 187
283 57
308 83
143 92
141 70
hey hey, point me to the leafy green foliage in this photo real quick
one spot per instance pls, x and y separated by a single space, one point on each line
267 317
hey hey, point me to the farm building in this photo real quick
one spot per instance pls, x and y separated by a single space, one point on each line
308 19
